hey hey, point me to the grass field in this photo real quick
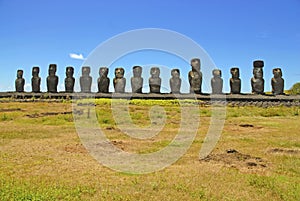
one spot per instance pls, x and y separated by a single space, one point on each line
42 157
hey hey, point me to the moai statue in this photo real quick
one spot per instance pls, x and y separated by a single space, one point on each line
119 80
217 82
69 80
35 80
155 80
235 81
257 81
85 80
137 80
277 82
103 80
195 76
20 81
52 79
175 81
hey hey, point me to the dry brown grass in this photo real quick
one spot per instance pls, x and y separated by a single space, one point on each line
42 158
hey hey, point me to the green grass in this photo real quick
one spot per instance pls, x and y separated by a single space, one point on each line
251 111
11 189
276 186
43 159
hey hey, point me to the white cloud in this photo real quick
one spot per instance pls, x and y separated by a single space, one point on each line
76 56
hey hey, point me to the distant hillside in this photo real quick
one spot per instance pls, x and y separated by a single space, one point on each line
295 89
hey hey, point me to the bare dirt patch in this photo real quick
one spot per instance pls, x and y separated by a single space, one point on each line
77 148
243 162
246 125
10 109
284 151
47 114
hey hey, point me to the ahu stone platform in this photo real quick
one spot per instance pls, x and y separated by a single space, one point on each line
205 99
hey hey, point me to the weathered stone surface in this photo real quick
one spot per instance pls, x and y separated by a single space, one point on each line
235 81
52 79
195 76
69 80
258 64
175 81
238 100
137 80
103 80
35 80
119 80
20 81
155 80
217 82
277 82
86 80
257 81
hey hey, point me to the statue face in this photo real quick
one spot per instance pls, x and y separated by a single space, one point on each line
175 73
155 72
103 71
217 73
19 74
195 63
119 72
277 72
35 71
69 71
86 70
235 72
52 70
137 71
258 73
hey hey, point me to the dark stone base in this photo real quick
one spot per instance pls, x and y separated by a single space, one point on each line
162 96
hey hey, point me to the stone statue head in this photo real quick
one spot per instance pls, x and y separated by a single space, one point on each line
235 72
119 72
175 72
35 71
19 73
258 72
103 71
69 71
137 71
52 69
277 72
195 63
217 73
155 72
86 70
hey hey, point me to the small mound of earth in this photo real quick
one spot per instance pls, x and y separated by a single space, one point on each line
240 161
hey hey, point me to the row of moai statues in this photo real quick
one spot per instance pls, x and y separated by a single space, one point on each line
119 82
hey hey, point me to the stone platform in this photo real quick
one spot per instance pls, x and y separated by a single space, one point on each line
228 99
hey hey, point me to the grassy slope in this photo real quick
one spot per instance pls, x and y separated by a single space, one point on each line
42 158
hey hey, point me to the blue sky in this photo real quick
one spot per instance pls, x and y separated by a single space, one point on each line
232 32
